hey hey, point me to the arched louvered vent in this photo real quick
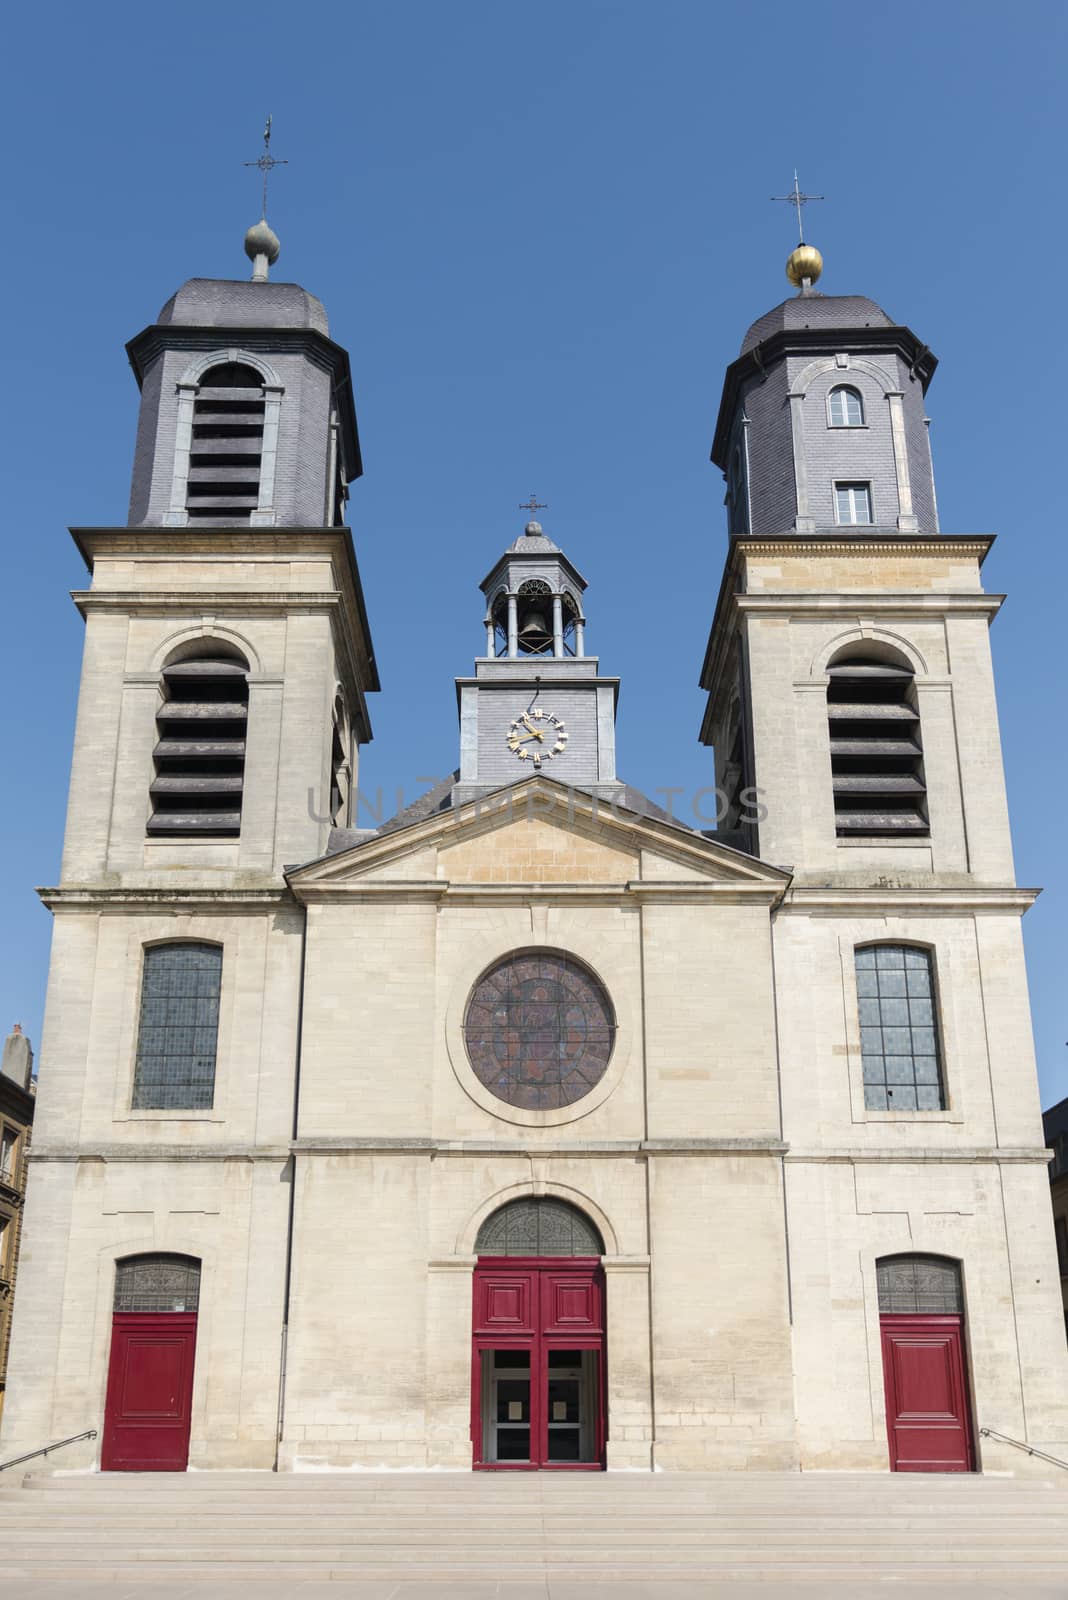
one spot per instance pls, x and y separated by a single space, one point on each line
227 444
876 753
200 756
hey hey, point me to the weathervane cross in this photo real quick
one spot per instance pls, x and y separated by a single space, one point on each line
798 199
267 162
533 504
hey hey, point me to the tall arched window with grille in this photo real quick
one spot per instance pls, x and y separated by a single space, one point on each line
200 753
227 444
876 751
900 1046
178 1031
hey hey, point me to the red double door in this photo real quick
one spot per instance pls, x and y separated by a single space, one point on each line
928 1418
538 1378
150 1392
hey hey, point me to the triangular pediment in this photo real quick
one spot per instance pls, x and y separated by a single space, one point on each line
538 834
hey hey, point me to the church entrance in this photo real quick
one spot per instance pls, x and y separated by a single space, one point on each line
148 1410
538 1342
928 1416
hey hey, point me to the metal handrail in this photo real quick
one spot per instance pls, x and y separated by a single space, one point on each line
992 1433
16 1461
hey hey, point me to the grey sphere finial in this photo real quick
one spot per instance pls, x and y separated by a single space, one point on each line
532 530
261 240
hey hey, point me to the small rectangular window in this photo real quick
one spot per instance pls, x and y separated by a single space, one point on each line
9 1144
899 1042
852 503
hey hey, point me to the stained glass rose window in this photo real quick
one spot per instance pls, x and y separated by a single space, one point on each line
539 1031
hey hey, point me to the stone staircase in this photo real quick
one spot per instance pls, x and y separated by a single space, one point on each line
828 1528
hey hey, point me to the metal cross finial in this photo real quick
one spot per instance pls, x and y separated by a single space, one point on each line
267 162
533 504
798 199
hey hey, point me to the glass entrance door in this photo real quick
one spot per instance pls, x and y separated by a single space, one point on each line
571 1385
506 1406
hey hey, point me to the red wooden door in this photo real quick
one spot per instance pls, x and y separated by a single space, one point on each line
150 1392
538 1378
927 1412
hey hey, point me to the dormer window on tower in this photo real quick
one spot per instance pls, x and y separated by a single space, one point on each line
226 453
852 505
845 407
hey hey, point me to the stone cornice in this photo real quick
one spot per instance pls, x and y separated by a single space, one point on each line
853 604
951 899
78 897
927 1154
148 601
108 1153
559 1150
441 891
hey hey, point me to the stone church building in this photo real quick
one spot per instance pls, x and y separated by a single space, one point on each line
535 1129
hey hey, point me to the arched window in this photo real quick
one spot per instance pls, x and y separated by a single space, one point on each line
876 753
227 444
845 408
200 755
919 1285
539 1030
899 1042
538 1226
157 1283
178 1031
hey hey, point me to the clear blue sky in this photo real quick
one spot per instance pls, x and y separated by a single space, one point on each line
541 231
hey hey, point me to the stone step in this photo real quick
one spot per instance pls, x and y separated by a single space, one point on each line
751 1570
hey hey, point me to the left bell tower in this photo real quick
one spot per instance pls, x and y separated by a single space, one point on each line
227 654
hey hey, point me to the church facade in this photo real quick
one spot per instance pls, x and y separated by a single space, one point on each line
534 1129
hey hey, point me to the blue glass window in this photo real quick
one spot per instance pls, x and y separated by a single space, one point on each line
179 1028
898 1029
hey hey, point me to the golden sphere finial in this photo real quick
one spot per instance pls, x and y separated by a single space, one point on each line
804 262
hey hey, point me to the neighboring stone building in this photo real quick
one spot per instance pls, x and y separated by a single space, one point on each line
1055 1127
535 1128
17 1101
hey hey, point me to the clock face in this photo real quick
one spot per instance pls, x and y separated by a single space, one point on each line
537 736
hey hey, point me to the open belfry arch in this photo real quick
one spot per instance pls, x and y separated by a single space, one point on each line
534 1130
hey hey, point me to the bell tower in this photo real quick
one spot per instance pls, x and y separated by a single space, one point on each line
537 702
851 695
227 650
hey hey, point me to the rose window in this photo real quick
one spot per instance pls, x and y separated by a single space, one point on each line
539 1031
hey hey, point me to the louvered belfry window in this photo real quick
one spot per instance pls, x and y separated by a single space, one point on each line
227 444
200 755
876 753
179 1028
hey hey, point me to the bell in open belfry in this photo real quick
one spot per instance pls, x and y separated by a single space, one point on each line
535 635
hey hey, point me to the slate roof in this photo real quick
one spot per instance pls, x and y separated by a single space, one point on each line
230 303
817 311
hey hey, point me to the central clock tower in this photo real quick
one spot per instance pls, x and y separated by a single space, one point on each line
537 701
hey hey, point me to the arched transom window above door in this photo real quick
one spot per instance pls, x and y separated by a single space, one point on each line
919 1285
538 1226
539 1030
156 1283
